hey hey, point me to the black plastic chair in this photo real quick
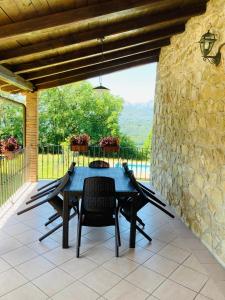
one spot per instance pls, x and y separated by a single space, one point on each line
98 207
56 202
137 202
99 164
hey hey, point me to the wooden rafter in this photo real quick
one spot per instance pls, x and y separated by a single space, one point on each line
156 40
59 20
101 66
90 61
16 80
181 14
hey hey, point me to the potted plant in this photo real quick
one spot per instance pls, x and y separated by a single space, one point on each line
110 144
79 142
9 147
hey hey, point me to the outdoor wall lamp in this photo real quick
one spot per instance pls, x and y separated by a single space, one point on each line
207 42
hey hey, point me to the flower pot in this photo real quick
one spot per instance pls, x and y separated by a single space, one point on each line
108 149
9 154
79 148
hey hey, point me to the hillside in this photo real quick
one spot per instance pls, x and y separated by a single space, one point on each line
136 121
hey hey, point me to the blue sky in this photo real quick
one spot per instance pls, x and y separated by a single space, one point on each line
135 85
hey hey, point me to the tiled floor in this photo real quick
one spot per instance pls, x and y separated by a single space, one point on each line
175 266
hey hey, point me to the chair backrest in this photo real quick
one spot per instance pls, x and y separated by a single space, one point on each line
99 164
60 187
99 195
71 168
126 168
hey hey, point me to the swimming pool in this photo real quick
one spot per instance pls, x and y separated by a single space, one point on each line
141 170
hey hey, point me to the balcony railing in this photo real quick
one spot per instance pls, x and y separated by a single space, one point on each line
12 174
54 160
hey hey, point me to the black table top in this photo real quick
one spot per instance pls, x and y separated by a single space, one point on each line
122 182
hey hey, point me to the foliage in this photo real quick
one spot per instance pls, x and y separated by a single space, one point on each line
109 141
11 121
77 108
148 143
81 139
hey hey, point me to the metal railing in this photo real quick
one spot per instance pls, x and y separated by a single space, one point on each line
12 174
53 160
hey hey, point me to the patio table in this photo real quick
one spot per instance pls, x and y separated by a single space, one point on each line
75 188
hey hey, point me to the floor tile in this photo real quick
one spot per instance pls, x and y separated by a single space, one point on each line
53 282
78 267
212 291
201 297
16 229
145 279
170 290
59 255
194 264
35 267
9 244
174 253
110 244
98 235
204 256
161 265
28 236
189 278
154 246
216 271
164 235
100 280
189 244
4 266
43 246
121 266
25 292
19 256
99 254
10 280
125 291
138 254
77 291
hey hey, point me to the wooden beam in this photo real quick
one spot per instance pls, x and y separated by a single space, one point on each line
16 80
94 74
59 20
87 75
89 61
96 49
101 66
181 14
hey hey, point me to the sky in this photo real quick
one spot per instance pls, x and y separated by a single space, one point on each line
135 85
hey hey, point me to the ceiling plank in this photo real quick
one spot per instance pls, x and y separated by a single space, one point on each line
61 19
96 49
115 28
99 67
16 80
91 61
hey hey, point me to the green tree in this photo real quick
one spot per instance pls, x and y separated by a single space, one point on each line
76 108
11 120
148 144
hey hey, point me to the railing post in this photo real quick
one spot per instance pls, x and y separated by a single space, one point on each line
32 136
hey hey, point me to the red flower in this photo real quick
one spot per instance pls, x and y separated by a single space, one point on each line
109 141
9 144
81 139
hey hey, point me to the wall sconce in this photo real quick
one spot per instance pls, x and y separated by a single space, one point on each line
207 42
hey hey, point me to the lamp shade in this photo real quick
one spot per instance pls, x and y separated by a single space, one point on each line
206 43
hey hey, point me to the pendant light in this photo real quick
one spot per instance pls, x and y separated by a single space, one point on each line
100 88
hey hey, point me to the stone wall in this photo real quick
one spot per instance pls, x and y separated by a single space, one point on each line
188 164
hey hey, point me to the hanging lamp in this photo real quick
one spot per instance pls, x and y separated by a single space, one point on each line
100 88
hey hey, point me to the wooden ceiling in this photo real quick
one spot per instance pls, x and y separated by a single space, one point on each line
46 43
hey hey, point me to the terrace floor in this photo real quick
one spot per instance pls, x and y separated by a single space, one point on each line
175 265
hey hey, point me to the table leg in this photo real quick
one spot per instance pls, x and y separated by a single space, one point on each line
65 233
133 226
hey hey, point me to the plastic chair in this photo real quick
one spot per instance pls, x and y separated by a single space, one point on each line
98 207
